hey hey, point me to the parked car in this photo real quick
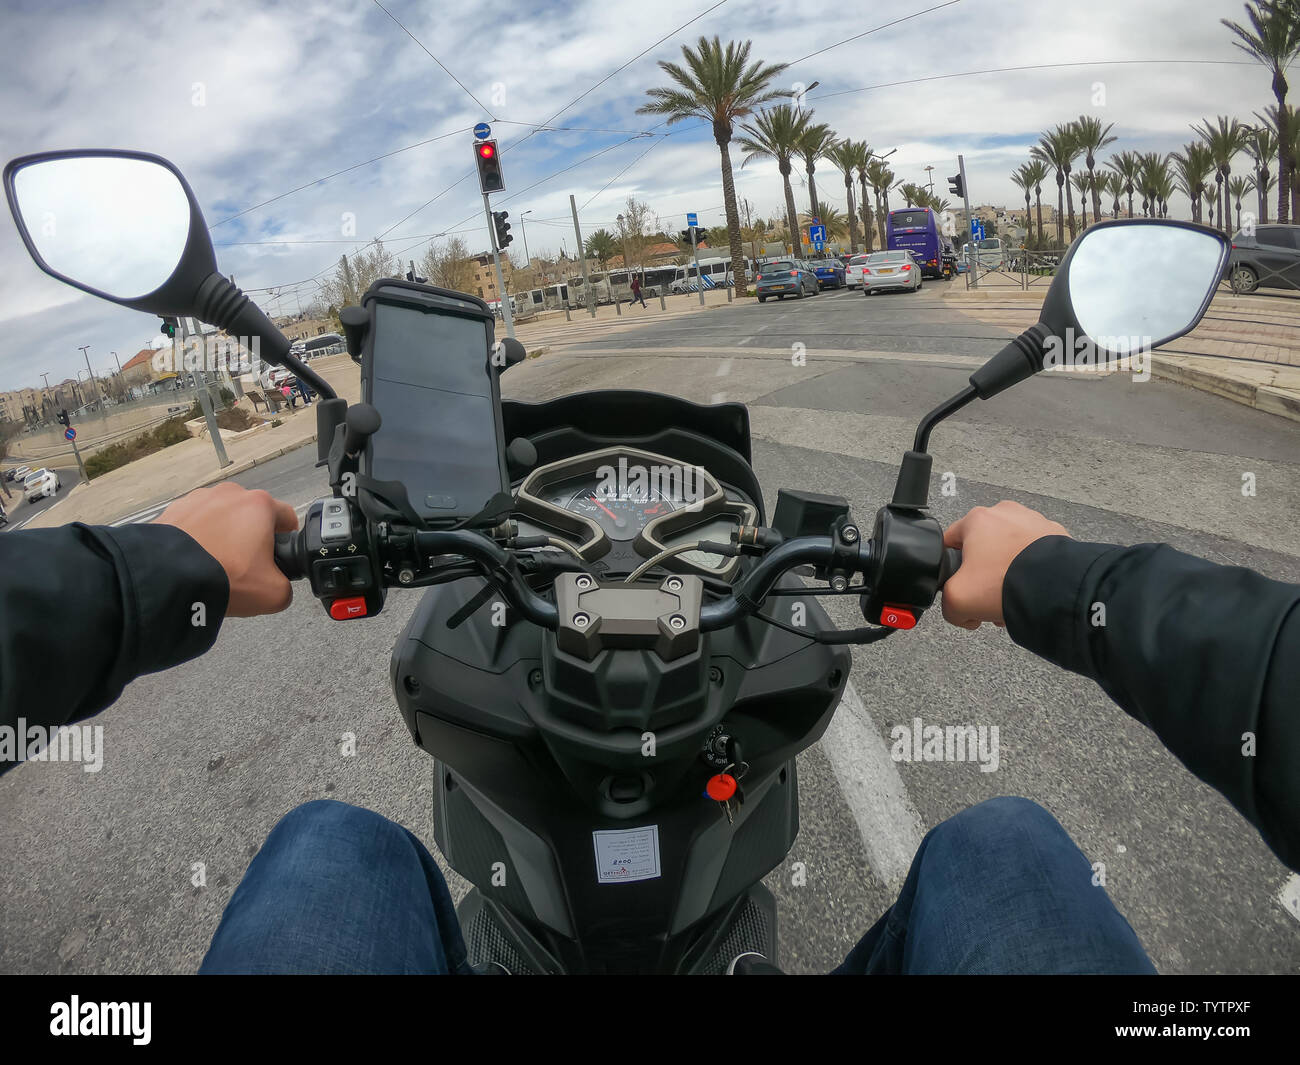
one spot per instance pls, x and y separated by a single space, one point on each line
41 483
1268 258
890 269
830 273
18 473
853 271
785 277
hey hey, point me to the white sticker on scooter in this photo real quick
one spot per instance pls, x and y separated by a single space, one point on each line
627 854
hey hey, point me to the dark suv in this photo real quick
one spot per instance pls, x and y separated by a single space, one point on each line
1268 258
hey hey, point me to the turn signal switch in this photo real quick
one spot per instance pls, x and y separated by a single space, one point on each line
333 552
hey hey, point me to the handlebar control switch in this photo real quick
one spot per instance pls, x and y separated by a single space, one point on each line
907 554
340 561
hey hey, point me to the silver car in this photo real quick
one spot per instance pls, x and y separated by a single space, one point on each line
890 269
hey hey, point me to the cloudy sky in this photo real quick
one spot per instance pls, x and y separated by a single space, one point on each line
255 99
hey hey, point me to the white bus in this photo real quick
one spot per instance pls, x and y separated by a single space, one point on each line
987 252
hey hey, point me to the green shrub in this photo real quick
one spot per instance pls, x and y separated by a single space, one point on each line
170 432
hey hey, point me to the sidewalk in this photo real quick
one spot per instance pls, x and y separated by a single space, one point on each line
1246 348
178 469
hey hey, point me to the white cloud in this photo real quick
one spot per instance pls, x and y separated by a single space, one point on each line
292 92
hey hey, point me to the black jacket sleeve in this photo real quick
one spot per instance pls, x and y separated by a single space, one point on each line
1207 656
86 609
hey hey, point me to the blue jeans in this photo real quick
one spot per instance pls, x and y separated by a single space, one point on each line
339 889
998 888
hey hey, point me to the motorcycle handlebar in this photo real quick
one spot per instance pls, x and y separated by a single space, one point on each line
498 565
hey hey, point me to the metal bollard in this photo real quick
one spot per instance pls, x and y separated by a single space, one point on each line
663 306
618 306
567 316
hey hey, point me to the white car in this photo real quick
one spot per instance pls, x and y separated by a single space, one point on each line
853 271
19 474
890 269
41 483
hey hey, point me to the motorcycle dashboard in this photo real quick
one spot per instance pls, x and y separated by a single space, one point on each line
619 506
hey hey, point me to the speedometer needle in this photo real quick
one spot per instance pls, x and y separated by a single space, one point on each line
604 508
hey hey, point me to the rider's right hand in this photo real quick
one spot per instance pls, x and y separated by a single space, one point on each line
237 528
989 538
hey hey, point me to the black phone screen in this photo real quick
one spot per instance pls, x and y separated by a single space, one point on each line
430 378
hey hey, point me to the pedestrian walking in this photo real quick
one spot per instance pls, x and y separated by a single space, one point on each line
636 290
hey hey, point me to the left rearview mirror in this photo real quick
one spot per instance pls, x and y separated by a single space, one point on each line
120 225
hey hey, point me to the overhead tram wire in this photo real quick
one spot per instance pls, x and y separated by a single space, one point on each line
435 59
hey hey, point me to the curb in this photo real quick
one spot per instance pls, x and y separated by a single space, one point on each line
1284 403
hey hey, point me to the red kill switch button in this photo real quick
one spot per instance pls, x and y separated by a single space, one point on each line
342 609
896 617
721 787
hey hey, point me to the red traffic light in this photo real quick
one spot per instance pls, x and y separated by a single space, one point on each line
487 151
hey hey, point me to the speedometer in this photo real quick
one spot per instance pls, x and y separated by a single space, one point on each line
621 516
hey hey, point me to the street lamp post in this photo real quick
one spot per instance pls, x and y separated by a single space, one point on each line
528 259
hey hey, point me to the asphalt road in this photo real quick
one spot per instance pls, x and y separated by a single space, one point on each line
202 760
19 516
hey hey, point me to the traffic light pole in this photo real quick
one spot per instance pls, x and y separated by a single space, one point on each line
974 272
506 313
205 400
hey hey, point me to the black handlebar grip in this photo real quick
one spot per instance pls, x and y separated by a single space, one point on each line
950 564
286 555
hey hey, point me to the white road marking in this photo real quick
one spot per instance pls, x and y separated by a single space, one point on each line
875 793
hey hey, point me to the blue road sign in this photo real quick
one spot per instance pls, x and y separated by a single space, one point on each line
482 131
817 234
976 229
819 245
69 434
692 219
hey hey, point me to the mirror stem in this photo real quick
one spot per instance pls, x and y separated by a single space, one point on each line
1018 361
219 302
922 441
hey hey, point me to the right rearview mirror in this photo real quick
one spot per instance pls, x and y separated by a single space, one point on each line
1138 284
1125 286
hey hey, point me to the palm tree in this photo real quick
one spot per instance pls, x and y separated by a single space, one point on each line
1237 188
1126 165
1273 39
1262 143
1224 140
913 195
1192 167
1057 150
862 164
1037 172
1262 189
1114 187
816 141
1021 178
601 246
1083 183
1153 179
844 155
829 215
719 85
880 178
1093 137
776 134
